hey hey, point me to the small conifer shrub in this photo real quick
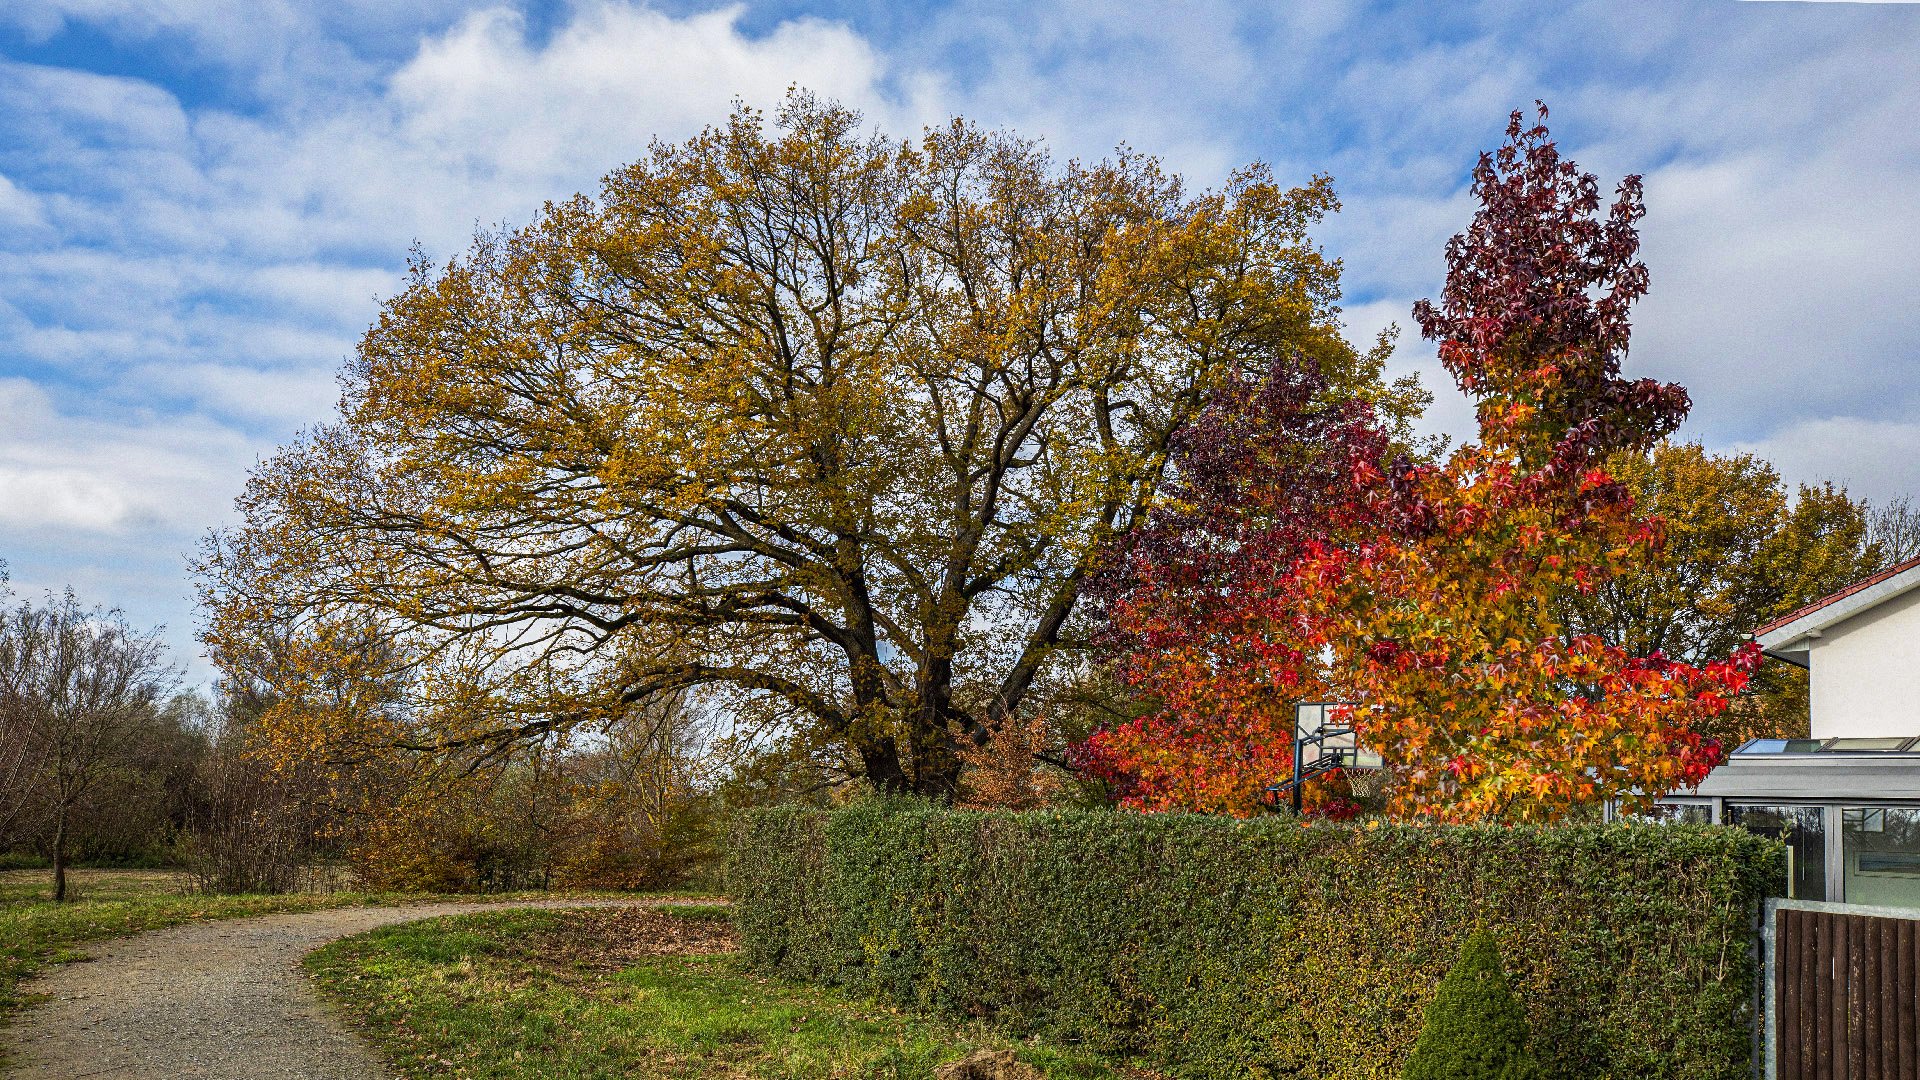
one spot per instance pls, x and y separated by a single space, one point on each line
1475 1028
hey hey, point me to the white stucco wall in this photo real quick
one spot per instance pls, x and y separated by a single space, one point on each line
1865 672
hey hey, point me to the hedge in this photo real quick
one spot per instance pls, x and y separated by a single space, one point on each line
1266 949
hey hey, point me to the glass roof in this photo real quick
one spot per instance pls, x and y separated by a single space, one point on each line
1894 745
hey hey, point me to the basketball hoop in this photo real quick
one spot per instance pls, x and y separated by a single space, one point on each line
1322 744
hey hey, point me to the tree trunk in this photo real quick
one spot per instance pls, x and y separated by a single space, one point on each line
936 765
881 760
931 776
60 856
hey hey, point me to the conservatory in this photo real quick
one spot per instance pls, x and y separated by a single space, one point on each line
1846 800
1848 808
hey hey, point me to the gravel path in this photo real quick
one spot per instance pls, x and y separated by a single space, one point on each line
220 999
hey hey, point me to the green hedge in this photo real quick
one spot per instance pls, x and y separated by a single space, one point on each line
1220 948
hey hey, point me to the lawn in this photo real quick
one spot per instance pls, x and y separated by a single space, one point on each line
515 995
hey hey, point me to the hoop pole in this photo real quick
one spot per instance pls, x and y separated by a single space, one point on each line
1298 764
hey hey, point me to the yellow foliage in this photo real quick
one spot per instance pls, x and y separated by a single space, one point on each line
821 425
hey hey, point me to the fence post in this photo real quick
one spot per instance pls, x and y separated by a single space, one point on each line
1766 1027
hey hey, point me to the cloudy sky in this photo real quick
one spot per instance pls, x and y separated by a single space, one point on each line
202 201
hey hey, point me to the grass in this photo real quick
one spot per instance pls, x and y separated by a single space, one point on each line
709 912
516 995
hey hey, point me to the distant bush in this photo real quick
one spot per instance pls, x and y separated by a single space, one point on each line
1475 1027
255 828
1219 948
23 860
517 830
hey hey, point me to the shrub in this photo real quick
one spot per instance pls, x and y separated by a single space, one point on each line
1475 1028
1261 948
255 830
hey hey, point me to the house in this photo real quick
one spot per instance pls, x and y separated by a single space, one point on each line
1846 800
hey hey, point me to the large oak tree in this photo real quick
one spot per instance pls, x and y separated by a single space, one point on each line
824 424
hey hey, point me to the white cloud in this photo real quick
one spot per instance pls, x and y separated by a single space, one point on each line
193 245
19 209
482 125
285 399
59 497
1870 458
63 473
110 507
483 96
268 50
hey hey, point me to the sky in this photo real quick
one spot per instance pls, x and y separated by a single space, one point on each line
203 202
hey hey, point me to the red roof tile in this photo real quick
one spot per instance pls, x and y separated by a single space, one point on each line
1858 586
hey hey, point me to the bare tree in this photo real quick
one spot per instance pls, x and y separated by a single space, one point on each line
78 685
19 780
1895 528
19 772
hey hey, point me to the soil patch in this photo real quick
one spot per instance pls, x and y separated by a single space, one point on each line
611 940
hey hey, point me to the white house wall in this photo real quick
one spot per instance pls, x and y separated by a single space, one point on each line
1865 673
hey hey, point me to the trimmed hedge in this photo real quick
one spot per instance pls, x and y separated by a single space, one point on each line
1265 949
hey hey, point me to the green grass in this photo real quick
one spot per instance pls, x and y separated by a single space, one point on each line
710 912
515 995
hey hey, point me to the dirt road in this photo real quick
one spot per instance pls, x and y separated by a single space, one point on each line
220 999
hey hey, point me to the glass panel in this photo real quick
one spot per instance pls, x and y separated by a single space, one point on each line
1881 848
1673 813
1309 719
1804 830
1783 746
1878 745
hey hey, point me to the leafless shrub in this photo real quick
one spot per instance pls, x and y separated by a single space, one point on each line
247 841
255 831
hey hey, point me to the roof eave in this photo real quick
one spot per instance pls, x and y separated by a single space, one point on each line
1798 654
1785 637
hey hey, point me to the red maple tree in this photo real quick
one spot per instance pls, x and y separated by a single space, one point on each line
1427 592
1198 606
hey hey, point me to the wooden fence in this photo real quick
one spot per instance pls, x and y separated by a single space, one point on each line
1843 982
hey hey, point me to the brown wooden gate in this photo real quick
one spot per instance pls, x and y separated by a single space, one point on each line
1844 990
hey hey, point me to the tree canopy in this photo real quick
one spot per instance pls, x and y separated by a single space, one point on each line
1738 549
824 425
1430 596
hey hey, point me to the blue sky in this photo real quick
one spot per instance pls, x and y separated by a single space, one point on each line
201 201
